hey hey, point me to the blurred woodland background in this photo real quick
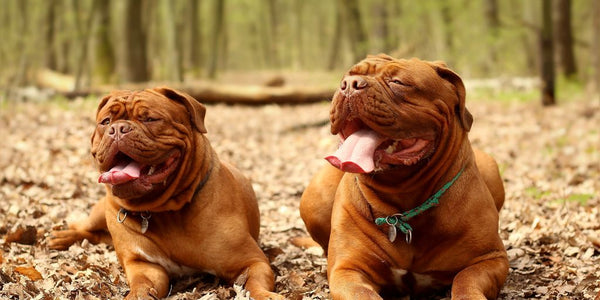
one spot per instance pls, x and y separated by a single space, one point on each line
58 56
75 45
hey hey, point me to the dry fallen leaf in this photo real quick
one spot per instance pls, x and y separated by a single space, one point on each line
549 159
25 236
30 272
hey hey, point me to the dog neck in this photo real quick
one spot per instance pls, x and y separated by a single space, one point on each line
408 187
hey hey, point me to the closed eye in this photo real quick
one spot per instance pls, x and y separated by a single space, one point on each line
149 119
397 81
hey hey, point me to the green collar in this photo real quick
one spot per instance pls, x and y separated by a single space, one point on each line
399 220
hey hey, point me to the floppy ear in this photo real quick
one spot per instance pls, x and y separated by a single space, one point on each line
103 102
381 56
196 109
464 116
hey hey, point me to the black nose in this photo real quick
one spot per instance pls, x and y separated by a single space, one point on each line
118 130
350 83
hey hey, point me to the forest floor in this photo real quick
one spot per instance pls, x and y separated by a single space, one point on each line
550 225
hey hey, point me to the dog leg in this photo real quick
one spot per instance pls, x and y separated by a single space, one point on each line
146 280
261 281
351 284
93 228
482 280
317 203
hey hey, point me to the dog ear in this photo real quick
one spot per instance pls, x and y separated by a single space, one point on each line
103 102
465 117
381 56
196 109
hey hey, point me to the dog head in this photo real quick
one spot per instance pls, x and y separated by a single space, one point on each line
143 142
394 112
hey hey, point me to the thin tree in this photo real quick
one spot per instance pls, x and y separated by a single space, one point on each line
50 53
194 42
492 17
596 47
336 41
546 55
173 52
84 36
354 29
273 34
134 50
564 38
103 50
217 38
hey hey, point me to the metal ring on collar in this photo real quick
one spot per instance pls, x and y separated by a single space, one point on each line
124 212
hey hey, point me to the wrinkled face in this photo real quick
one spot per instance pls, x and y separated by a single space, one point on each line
391 112
140 140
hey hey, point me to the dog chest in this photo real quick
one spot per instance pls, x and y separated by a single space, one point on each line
415 282
173 268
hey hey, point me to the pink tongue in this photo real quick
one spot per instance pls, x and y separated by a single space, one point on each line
121 173
355 155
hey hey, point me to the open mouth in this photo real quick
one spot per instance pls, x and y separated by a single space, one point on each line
364 150
125 169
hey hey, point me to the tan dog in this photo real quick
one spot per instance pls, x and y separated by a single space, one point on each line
171 206
407 204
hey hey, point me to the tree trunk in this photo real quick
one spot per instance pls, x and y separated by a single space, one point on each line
64 43
564 38
172 52
273 34
104 56
334 49
596 48
381 31
546 55
50 53
493 24
194 45
448 32
217 38
134 47
354 29
298 50
84 39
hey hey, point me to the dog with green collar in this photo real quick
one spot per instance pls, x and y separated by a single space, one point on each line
405 168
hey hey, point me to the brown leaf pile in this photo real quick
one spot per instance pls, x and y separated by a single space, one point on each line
550 160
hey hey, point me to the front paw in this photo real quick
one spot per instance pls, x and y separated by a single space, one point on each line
142 293
62 239
266 296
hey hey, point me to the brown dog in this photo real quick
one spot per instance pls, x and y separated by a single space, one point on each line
171 206
406 169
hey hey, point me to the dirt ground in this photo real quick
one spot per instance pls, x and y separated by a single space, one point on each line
549 158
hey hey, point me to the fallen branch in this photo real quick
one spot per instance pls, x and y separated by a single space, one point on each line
204 91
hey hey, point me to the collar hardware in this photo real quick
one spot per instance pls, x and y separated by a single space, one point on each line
399 221
146 215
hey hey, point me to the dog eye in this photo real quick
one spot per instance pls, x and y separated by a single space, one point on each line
149 119
105 121
397 81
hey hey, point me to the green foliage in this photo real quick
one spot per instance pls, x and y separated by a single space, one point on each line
286 35
581 199
536 193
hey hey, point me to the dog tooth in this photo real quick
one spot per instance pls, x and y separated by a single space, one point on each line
390 149
151 171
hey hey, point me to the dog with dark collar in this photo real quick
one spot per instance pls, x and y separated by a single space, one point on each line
171 206
406 204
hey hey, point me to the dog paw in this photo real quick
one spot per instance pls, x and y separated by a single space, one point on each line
62 239
266 296
143 294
